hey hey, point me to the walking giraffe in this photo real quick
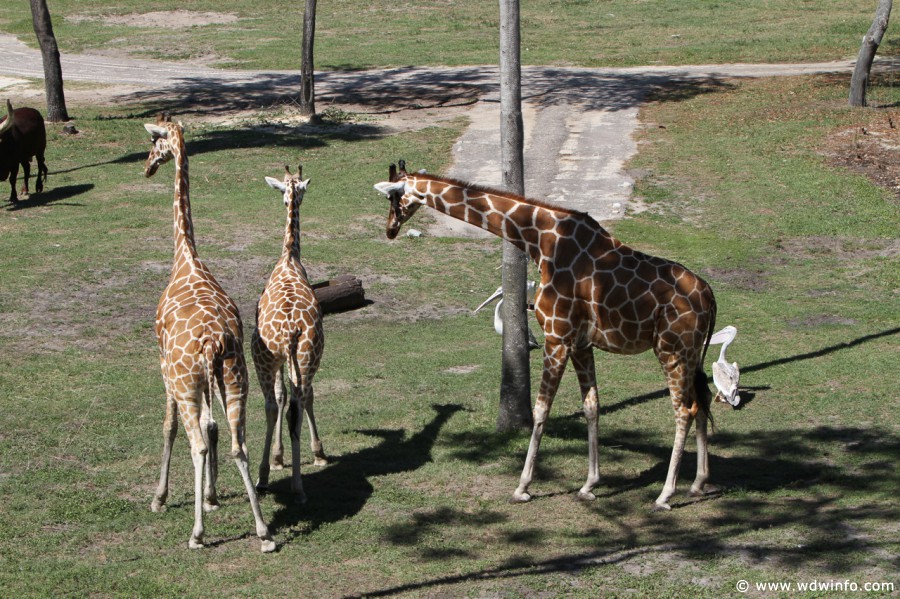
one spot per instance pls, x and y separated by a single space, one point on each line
200 352
594 292
288 329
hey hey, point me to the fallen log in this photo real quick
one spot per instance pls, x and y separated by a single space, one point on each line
340 294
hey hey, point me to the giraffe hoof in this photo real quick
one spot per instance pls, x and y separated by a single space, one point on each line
157 506
586 496
705 491
210 506
661 507
277 466
320 461
195 543
520 497
268 546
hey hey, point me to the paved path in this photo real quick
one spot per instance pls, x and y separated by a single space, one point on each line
579 122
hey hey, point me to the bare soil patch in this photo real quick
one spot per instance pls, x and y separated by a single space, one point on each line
170 19
871 148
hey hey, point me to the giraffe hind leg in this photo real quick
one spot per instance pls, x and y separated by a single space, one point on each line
236 404
583 362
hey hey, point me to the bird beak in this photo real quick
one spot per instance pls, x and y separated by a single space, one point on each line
494 296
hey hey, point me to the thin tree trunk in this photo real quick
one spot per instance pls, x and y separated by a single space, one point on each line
515 386
860 79
307 79
53 79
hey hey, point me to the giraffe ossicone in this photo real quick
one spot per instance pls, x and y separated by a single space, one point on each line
594 292
201 354
288 332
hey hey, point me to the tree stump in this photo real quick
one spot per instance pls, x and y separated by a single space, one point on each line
340 294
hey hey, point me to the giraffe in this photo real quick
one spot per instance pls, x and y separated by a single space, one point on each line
201 354
288 329
594 292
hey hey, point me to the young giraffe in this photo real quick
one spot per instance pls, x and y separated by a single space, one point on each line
594 292
288 329
200 352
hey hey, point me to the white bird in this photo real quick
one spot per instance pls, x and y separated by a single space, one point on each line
498 321
726 376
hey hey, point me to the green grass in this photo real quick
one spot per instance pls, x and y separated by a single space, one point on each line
415 500
564 32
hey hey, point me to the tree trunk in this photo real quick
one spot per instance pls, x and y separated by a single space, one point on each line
307 79
515 385
860 79
53 79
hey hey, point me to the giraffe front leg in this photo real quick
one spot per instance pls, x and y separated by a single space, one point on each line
555 356
583 361
267 383
170 430
295 422
319 457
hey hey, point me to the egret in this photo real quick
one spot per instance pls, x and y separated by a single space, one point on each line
726 376
498 321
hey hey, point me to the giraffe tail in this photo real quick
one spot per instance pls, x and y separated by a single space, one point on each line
701 381
211 350
293 363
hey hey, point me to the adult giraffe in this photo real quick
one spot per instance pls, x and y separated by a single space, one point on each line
201 352
594 292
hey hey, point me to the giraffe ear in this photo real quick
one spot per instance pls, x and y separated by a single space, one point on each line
276 184
156 131
305 184
387 188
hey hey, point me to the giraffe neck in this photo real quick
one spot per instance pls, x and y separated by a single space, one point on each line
291 247
518 220
184 226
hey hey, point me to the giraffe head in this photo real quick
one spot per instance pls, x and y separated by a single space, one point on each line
404 199
293 187
162 150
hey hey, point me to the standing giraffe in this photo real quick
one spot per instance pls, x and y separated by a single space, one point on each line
594 292
200 352
288 329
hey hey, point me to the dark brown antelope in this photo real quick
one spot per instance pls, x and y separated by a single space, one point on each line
22 136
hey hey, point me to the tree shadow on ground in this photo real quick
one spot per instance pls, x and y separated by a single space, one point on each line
341 489
418 87
819 492
284 137
813 529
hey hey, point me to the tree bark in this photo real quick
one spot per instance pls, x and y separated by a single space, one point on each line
53 79
307 79
860 79
515 385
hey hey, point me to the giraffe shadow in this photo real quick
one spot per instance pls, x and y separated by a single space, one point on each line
341 489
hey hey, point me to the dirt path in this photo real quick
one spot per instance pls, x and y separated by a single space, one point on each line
579 122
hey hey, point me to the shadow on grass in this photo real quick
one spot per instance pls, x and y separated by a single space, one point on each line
52 195
816 528
340 490
285 137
